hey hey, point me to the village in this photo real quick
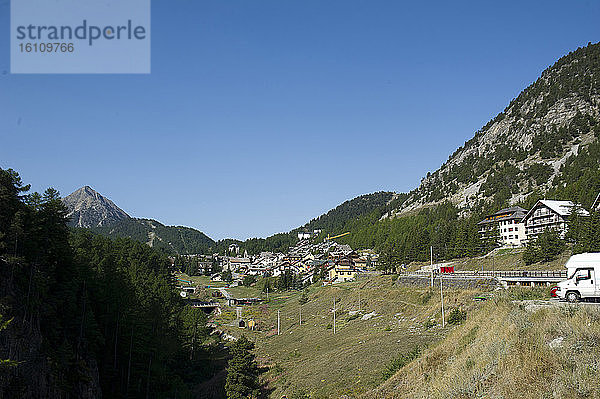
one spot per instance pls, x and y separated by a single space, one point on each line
332 263
308 260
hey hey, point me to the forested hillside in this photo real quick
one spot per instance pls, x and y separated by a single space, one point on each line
545 144
528 149
86 208
333 221
171 239
88 316
336 219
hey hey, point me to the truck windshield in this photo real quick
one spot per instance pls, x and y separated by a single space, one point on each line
581 273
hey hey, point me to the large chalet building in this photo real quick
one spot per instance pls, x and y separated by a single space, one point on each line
504 226
550 214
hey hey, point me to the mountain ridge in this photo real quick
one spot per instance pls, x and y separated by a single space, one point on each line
547 123
88 208
91 210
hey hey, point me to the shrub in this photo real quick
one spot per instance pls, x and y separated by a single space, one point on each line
426 297
248 281
353 317
457 316
429 324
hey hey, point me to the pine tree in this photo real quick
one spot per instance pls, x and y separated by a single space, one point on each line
242 371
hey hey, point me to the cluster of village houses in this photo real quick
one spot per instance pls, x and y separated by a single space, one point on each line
515 226
308 259
510 227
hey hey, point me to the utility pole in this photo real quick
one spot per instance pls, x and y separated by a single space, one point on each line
442 296
441 286
278 322
334 315
431 264
300 314
267 294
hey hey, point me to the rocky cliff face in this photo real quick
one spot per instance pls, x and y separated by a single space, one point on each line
87 208
523 149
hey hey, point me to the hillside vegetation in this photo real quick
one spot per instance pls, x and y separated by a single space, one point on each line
336 219
362 353
528 148
545 144
88 316
506 351
171 239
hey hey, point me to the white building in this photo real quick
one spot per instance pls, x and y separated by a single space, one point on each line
234 248
506 226
550 214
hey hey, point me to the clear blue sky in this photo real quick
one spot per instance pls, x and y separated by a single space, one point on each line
260 115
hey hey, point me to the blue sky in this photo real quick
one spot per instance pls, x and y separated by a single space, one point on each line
260 115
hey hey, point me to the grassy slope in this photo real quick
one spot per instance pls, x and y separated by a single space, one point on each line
353 360
502 351
503 259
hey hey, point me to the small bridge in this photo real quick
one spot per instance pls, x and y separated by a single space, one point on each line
207 306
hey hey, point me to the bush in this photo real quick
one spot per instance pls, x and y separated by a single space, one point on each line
457 316
429 324
426 296
353 317
248 281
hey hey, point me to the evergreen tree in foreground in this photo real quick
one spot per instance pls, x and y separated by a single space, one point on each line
242 372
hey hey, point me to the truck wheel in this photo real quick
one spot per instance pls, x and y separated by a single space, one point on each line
572 297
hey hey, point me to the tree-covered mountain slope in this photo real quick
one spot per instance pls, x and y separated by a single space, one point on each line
89 209
336 219
332 222
530 148
173 239
545 144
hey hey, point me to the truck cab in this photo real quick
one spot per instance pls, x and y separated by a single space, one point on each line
583 271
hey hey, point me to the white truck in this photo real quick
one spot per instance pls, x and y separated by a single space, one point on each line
583 278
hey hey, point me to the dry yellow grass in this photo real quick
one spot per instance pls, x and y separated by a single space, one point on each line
504 351
353 360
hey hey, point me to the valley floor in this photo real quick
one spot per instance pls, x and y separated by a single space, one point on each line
376 323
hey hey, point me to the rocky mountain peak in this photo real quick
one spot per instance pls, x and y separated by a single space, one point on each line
525 150
88 208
